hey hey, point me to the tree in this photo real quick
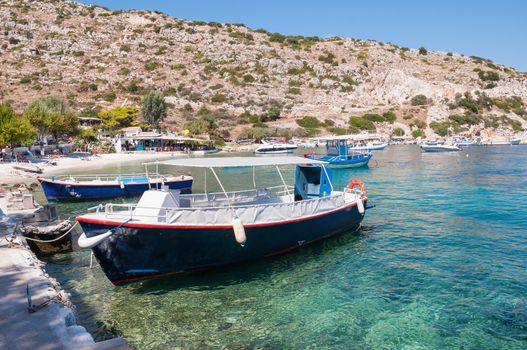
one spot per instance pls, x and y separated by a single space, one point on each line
13 129
423 51
52 116
154 108
118 117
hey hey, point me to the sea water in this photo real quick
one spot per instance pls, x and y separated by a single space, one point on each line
440 263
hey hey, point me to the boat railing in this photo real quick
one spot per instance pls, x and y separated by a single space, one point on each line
108 177
131 211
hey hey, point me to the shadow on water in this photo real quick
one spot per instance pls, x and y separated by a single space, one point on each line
222 277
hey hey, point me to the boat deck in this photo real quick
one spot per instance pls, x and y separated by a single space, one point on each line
253 206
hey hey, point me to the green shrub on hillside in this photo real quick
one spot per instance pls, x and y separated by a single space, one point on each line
465 119
337 130
489 75
440 128
398 132
151 65
419 100
418 133
374 118
309 122
218 98
360 123
390 117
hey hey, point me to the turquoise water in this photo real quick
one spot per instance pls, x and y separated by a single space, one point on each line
439 264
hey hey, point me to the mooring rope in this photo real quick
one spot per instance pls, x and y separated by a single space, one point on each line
55 239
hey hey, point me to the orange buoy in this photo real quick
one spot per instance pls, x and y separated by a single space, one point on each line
356 182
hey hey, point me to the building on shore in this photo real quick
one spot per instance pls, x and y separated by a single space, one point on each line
158 142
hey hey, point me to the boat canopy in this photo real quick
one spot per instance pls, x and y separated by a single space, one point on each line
233 162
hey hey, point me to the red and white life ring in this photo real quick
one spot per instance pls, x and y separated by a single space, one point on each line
356 182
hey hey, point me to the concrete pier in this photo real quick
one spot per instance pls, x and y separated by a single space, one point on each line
35 313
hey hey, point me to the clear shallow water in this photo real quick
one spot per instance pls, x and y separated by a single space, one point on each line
440 264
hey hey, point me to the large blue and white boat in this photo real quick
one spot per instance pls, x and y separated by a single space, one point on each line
167 232
340 155
84 187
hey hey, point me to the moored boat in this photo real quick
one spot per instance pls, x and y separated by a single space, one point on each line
466 143
436 147
340 155
170 233
108 186
276 148
369 146
515 141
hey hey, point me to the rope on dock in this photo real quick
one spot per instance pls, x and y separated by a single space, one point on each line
55 239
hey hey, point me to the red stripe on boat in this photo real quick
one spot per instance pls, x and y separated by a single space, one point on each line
215 227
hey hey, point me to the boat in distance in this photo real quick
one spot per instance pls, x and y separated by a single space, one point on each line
369 146
340 155
83 187
167 232
276 148
437 147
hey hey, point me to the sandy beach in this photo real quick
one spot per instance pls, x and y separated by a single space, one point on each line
10 175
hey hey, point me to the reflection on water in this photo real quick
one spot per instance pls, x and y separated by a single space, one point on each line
439 264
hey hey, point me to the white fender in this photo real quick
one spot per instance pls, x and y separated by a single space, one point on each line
121 184
360 204
90 242
239 231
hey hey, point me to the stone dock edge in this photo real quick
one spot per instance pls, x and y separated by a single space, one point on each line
36 312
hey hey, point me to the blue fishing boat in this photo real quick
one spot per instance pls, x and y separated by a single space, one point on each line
340 155
83 187
167 232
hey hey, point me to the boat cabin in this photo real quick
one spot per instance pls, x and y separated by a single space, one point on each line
337 148
312 182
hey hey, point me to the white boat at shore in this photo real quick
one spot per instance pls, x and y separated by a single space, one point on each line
276 148
370 146
466 143
435 147
515 141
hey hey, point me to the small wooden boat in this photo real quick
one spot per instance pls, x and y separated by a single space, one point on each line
339 155
107 186
170 233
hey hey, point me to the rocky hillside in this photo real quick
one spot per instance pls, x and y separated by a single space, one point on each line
94 57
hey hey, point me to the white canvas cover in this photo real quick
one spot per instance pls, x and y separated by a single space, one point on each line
150 207
232 162
254 213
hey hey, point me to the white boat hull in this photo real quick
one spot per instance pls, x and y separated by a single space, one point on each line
440 148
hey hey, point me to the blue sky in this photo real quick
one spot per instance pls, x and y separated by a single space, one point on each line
491 29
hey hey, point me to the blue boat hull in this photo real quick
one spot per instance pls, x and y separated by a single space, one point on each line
69 191
139 251
355 161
